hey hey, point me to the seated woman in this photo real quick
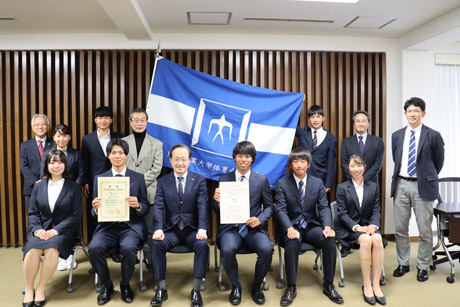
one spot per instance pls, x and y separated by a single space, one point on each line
62 136
54 217
358 206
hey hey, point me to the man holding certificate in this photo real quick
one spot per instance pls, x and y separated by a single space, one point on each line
258 207
304 215
120 201
184 198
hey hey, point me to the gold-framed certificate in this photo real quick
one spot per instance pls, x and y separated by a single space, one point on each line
234 202
113 192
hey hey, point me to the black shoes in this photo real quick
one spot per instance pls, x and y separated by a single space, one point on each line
258 295
344 252
195 296
159 298
116 257
28 304
330 291
368 299
105 295
288 296
235 295
401 270
422 275
39 303
127 295
382 300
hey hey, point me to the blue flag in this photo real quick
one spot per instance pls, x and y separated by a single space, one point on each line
211 114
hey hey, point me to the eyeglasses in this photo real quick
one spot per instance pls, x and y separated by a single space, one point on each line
139 121
40 125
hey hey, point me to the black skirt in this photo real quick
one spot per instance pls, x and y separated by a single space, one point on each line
64 243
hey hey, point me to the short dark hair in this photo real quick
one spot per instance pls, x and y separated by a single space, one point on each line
118 142
361 112
245 148
357 158
180 146
63 129
138 110
416 102
103 111
315 109
300 153
52 155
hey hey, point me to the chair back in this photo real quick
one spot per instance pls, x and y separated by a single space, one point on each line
335 215
449 190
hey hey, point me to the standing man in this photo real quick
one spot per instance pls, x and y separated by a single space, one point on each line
322 145
128 236
369 146
145 157
31 153
252 234
93 151
304 215
418 154
184 198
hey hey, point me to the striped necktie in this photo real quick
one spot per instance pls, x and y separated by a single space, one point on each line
40 148
315 141
242 228
411 163
303 220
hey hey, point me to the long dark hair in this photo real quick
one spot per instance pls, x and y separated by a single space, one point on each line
56 155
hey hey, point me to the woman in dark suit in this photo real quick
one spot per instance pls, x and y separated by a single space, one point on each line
62 136
54 217
358 206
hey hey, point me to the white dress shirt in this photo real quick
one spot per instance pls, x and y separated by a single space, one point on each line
238 175
320 135
103 141
54 188
297 180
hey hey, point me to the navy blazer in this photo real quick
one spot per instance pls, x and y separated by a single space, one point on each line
94 160
289 208
30 162
194 210
430 159
74 164
138 189
350 213
65 218
260 200
323 159
373 156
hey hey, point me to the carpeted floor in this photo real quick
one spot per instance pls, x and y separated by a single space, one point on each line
403 291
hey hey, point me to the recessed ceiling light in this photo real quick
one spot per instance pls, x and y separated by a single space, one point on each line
335 1
287 19
209 18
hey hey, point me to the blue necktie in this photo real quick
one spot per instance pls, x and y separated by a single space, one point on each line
361 144
411 163
118 175
303 221
242 228
180 192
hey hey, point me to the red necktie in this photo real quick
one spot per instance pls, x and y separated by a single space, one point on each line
40 148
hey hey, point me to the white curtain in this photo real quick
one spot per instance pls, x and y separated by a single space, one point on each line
444 115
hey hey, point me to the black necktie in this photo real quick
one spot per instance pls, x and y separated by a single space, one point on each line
180 192
361 144
315 142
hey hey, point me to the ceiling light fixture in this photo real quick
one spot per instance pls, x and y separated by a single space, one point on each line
209 18
333 1
287 19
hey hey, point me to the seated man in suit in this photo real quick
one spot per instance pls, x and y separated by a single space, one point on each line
252 234
128 236
184 197
304 215
31 154
321 144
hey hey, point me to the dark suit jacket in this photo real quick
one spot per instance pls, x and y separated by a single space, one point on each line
430 159
289 209
65 218
260 200
194 210
136 188
94 160
30 162
74 161
323 159
373 156
350 213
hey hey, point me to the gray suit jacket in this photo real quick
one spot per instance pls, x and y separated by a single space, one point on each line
430 159
149 161
373 156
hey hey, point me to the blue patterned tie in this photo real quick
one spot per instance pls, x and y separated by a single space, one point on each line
315 142
303 220
242 228
411 163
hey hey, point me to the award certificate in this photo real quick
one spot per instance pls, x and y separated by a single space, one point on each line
234 202
113 192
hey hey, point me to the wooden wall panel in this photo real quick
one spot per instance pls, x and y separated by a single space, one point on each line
69 85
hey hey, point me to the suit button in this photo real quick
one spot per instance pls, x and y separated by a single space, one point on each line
137 165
